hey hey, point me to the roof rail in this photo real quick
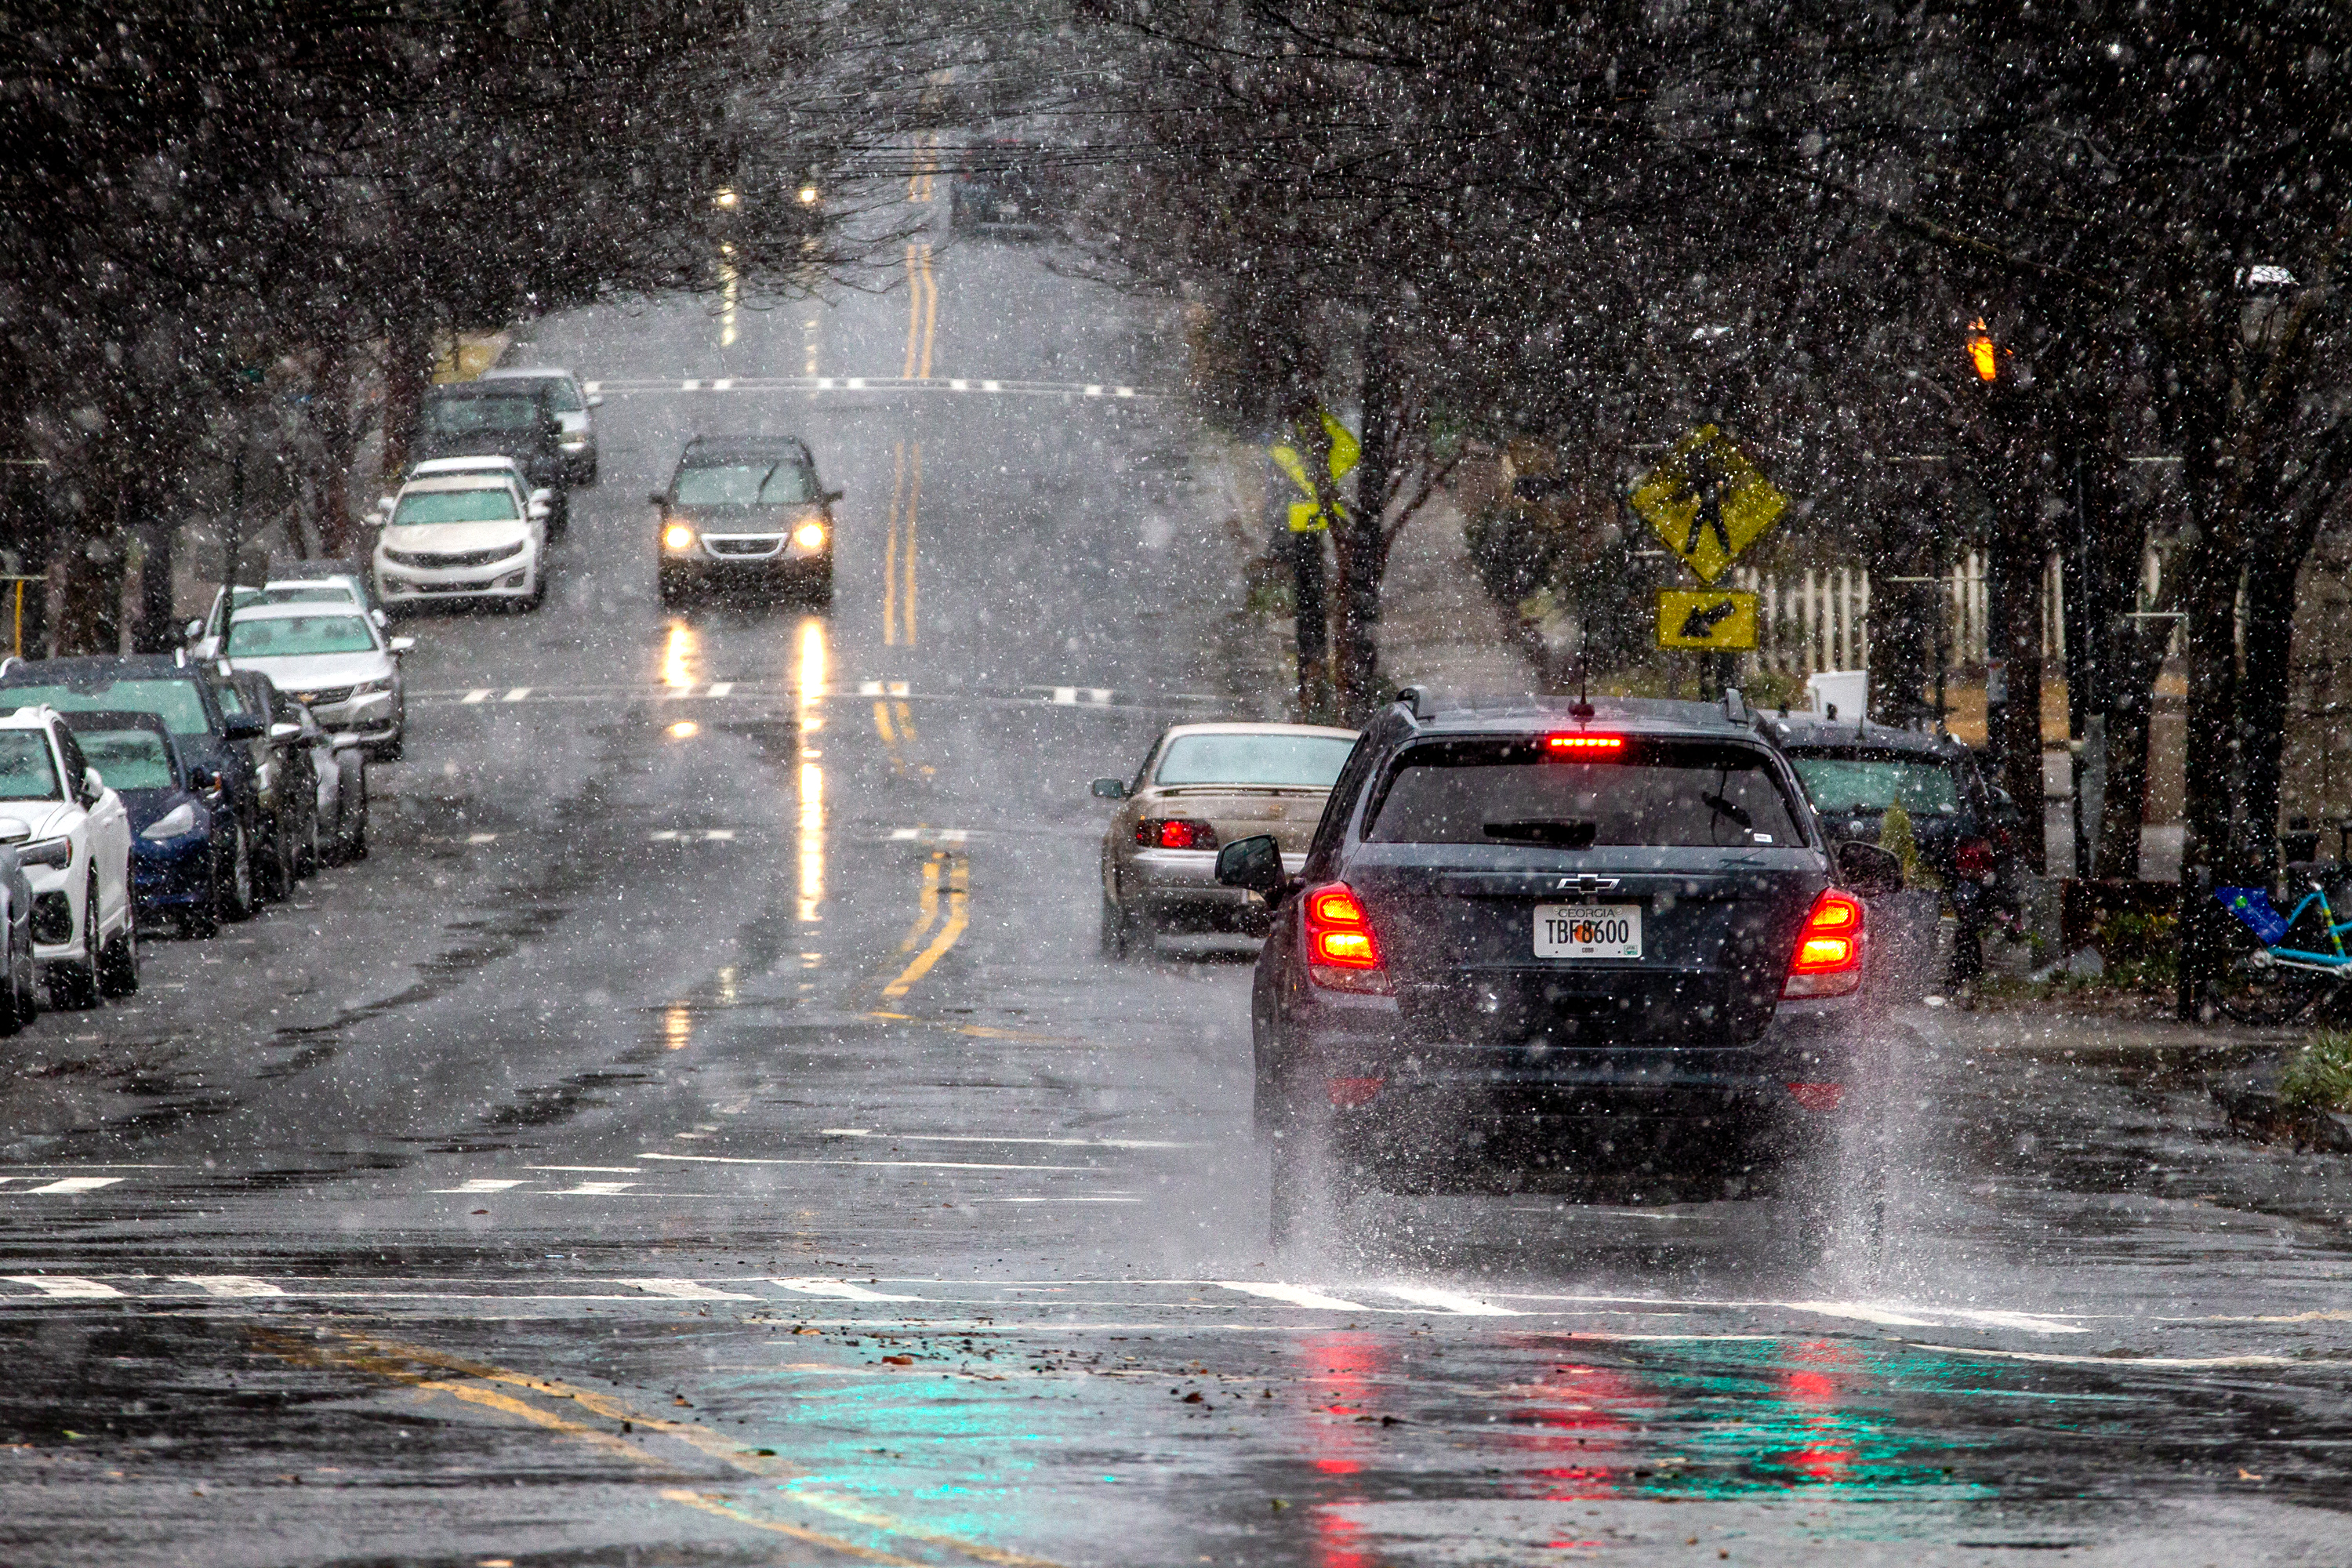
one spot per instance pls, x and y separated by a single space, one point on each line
1420 699
1735 707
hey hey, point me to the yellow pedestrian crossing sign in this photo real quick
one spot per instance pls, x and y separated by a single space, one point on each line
1706 618
1310 514
1707 501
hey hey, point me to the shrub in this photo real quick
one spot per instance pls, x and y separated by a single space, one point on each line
2320 1076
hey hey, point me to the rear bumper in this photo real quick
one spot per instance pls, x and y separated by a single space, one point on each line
1178 887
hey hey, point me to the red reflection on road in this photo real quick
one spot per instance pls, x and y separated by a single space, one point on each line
1810 1386
1341 1374
1571 1405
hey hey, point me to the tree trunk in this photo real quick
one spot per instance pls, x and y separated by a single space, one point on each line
1357 538
407 371
2210 602
2137 658
2016 568
2262 711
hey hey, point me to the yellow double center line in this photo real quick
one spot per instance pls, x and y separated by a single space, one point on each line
947 873
906 499
922 311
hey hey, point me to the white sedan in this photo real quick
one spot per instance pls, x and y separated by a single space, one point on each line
463 536
73 837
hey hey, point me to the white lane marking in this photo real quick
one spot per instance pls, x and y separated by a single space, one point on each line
478 1184
902 833
1065 695
841 1290
2124 1363
685 1290
1095 391
1292 1296
592 1190
481 838
1863 1312
723 689
958 385
592 387
718 835
1122 391
65 1286
992 386
238 1287
613 1170
662 833
1098 695
825 383
930 835
724 384
905 1164
855 383
479 694
978 1138
515 694
689 386
76 1184
1452 1302
1102 1198
1997 1318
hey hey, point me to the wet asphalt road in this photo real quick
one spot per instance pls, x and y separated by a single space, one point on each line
703 1132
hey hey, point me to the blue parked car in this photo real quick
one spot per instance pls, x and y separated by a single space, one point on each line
178 816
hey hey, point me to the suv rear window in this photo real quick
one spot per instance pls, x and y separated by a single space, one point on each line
1668 793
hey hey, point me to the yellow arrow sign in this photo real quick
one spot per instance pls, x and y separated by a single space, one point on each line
1708 618
1310 515
1707 501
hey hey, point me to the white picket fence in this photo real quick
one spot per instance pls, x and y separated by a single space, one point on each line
1820 619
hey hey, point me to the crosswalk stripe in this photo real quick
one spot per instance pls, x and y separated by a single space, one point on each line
76 1184
1291 1296
516 694
478 1184
238 1287
723 689
839 1289
1452 1302
686 1290
479 694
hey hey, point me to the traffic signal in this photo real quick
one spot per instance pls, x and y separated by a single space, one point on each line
1982 354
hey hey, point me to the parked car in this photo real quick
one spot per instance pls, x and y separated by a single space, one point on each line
1200 786
72 835
744 512
288 782
210 729
1538 940
175 824
495 419
464 535
339 764
1964 827
19 973
293 583
333 659
571 405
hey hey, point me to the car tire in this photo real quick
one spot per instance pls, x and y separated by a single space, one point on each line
307 859
73 985
118 960
201 920
278 867
820 586
391 751
15 1006
1118 931
350 838
238 897
673 589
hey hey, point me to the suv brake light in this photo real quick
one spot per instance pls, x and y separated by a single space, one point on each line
1175 833
1342 953
1584 745
1828 959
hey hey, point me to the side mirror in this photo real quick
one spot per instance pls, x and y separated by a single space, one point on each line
830 497
537 511
93 783
194 629
402 645
659 498
203 781
595 400
378 618
385 504
1109 789
1867 869
1255 863
543 496
285 732
244 727
15 831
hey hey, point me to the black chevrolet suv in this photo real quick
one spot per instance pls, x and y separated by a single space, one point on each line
1532 939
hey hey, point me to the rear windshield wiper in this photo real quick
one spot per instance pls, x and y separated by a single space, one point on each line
1564 835
1723 807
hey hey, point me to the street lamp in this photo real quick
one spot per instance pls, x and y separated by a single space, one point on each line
1983 356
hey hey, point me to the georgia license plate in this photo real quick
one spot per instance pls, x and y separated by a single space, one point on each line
1588 931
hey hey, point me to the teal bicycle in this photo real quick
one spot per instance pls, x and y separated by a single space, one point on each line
2274 983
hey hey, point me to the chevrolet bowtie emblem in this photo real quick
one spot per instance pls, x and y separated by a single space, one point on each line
1583 882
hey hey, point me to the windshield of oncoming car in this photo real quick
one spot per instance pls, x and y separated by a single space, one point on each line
1301 762
25 770
1922 786
461 416
176 702
128 759
785 482
300 634
1666 794
489 503
561 394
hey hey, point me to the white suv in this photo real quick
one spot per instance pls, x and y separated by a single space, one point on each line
463 533
73 837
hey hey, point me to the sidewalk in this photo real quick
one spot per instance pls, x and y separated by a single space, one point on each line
1438 628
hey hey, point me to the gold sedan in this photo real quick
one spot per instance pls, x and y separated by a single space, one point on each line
1200 786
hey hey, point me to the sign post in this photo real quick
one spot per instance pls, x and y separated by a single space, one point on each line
1316 455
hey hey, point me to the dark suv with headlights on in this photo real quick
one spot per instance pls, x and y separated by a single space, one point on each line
1965 830
1536 941
744 512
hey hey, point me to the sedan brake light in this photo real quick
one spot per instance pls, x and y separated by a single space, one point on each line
1175 833
1828 959
1342 953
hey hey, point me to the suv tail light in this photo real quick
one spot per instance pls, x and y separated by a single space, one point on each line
1342 953
1175 833
1828 960
1973 860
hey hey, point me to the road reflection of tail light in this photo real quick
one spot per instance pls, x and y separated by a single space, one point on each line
1342 951
1828 960
1176 833
1973 860
1817 1096
1353 1091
